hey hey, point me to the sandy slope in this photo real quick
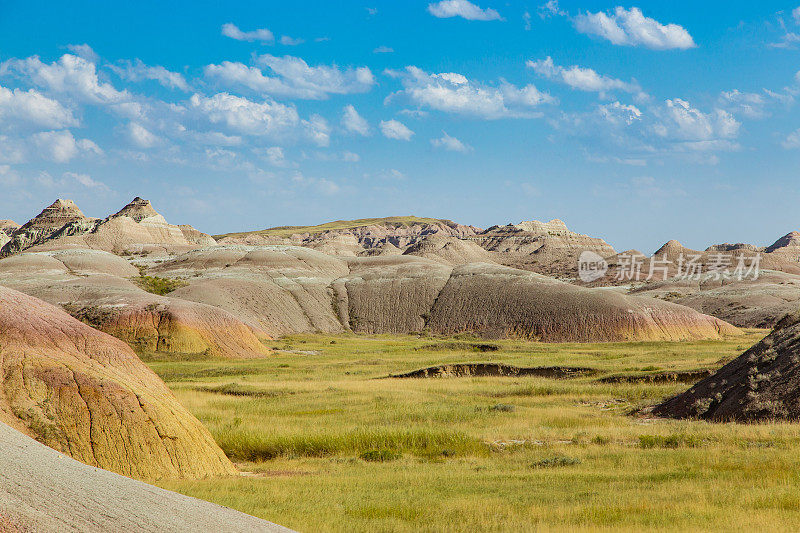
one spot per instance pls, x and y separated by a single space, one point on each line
43 490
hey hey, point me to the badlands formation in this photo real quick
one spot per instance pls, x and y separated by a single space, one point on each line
761 384
396 275
87 394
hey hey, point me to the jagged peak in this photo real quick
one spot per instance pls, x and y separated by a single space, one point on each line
138 209
56 215
790 239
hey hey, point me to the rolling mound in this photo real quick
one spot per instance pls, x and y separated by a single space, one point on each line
42 490
87 394
97 288
280 289
291 289
761 384
759 303
496 301
449 250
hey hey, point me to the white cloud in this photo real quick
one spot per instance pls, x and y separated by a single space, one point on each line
792 141
383 50
69 179
322 185
681 121
140 136
617 113
137 71
61 146
751 105
796 15
353 122
584 79
85 180
463 9
275 156
394 129
292 77
526 17
291 41
454 93
85 51
32 107
452 144
551 9
70 75
232 31
318 130
632 28
245 116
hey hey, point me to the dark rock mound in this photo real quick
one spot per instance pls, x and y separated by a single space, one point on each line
761 384
460 370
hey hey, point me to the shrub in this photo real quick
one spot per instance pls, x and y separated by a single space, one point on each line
157 285
380 456
558 460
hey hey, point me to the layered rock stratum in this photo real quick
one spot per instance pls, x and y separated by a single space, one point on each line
99 288
87 394
761 384
284 289
137 227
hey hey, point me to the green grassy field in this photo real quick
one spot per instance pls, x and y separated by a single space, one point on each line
327 443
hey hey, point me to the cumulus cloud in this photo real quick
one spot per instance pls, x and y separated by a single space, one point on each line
33 108
61 146
629 27
383 50
463 9
245 116
267 118
583 79
617 113
71 75
292 77
231 30
394 129
141 136
454 93
353 122
446 142
681 121
137 71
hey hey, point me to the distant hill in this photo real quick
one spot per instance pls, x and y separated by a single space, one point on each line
393 222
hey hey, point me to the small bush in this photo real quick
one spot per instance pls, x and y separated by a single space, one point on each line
503 408
157 285
669 441
553 462
380 456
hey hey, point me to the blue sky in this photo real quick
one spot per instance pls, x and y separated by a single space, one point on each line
637 123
